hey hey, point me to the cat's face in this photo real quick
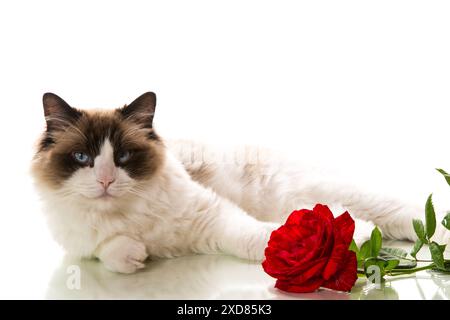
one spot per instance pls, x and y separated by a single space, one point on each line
98 155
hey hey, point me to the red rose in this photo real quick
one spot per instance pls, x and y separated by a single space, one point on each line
311 250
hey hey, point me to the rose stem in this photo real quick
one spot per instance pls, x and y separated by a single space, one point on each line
399 272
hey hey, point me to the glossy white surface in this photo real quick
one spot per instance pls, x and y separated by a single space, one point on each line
222 277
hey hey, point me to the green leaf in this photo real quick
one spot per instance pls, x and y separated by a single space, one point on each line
442 247
417 246
430 217
364 250
388 253
395 252
353 246
391 264
445 174
420 230
375 242
437 255
446 270
446 221
406 264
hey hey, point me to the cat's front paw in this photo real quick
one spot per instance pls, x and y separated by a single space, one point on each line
123 254
258 246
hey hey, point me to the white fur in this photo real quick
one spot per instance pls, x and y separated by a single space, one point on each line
232 211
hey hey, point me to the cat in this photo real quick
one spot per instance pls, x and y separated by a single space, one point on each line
113 189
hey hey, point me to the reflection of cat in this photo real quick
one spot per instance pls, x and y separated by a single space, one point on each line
114 189
191 277
220 277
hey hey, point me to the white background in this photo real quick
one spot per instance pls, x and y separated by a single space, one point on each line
361 86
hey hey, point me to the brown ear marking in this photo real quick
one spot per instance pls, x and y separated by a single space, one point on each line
142 110
58 113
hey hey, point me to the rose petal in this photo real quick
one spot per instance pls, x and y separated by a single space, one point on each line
335 262
283 264
344 226
311 270
346 277
291 246
324 212
295 217
310 286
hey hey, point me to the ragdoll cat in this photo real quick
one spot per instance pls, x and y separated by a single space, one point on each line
113 189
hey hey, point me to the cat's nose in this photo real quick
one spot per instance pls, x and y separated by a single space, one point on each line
106 181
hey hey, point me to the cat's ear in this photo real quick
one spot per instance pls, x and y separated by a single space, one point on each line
58 114
141 110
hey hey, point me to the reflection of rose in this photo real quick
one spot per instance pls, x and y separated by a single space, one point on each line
311 250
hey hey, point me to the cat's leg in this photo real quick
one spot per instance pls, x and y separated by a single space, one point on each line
122 254
393 216
244 236
223 227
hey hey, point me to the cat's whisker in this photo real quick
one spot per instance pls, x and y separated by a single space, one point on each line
122 185
141 193
137 193
66 194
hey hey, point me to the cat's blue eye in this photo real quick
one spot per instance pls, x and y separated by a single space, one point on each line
124 156
81 157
